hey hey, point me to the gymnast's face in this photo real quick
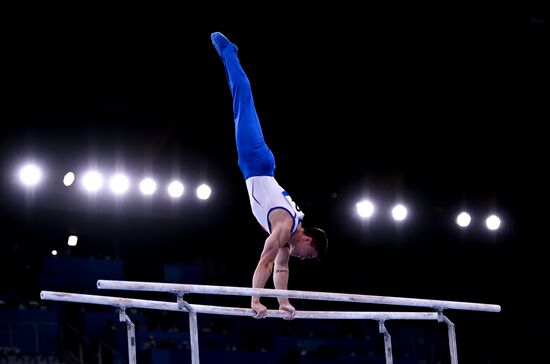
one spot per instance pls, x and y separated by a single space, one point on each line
303 248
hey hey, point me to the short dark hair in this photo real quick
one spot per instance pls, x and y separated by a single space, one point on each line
319 240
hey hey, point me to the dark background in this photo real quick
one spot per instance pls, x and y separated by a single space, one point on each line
441 108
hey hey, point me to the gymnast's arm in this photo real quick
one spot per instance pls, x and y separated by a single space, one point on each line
281 225
280 280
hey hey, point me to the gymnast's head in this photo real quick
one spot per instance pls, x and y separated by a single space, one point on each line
309 243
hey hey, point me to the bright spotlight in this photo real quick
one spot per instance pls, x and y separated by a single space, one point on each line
203 191
492 222
119 184
92 181
175 189
68 179
463 219
73 239
399 212
30 175
148 186
54 252
365 208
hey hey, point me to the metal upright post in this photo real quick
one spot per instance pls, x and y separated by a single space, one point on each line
130 329
387 342
193 330
452 337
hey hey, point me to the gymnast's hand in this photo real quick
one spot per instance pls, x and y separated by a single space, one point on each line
291 310
259 309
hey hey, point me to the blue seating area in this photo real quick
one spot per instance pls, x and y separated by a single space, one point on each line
30 331
77 274
188 273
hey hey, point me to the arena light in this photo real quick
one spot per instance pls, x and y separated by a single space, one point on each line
147 186
492 222
92 181
365 208
463 219
119 184
30 175
204 191
399 212
68 179
175 189
72 241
